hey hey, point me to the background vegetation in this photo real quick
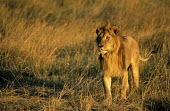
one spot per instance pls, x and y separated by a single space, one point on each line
49 59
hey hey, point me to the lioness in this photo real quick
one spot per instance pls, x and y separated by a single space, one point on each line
117 54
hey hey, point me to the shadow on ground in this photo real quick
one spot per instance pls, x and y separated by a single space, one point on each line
157 104
9 80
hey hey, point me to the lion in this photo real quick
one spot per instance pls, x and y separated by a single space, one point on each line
117 54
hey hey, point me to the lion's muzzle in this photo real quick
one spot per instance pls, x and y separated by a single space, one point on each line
102 50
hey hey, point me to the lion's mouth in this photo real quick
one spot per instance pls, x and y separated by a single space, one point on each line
103 51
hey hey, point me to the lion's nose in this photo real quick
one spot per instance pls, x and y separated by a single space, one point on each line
100 46
101 49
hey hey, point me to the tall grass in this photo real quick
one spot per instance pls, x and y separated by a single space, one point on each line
49 59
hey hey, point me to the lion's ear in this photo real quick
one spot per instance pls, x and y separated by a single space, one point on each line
97 31
115 29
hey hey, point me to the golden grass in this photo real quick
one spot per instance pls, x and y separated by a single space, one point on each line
49 61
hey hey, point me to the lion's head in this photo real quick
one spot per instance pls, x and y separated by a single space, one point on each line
107 38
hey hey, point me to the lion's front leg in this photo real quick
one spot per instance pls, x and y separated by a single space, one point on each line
107 88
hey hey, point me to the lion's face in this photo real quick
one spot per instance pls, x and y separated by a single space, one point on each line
105 42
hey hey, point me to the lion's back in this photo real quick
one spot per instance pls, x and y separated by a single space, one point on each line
129 43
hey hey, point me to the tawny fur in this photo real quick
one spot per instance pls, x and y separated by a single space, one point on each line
117 54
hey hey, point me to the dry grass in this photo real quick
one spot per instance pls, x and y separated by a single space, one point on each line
49 61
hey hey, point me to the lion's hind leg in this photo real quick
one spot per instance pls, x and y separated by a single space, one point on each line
135 71
125 84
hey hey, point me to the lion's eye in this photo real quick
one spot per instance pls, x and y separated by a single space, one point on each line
107 38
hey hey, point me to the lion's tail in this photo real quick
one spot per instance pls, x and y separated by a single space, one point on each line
146 59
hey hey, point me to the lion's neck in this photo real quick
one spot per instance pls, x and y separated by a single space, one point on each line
111 64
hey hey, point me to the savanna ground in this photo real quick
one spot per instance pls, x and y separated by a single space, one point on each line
49 59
